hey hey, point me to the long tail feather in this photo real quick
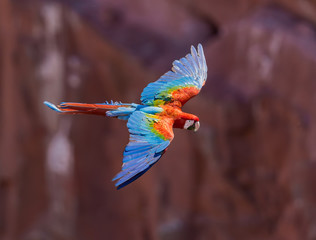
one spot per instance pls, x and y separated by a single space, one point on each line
85 108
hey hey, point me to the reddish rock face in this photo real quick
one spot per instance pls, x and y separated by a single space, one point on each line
248 173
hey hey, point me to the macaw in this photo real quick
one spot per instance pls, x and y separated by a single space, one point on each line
151 123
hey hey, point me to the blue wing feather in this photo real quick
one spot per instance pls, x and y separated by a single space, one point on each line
144 149
188 71
134 178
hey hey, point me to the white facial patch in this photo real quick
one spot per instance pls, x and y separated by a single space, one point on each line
188 123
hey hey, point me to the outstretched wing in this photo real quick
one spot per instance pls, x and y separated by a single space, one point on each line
150 135
186 79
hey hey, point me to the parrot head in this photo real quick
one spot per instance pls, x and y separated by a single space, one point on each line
192 125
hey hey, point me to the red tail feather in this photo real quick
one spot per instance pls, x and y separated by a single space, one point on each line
85 108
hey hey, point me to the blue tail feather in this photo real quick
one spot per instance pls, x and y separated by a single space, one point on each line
52 106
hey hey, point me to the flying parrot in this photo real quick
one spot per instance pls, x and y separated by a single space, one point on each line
151 123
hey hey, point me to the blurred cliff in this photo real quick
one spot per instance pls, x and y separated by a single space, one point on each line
248 173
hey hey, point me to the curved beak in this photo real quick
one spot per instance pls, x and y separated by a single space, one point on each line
196 126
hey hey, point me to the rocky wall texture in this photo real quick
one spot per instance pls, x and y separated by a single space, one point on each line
248 173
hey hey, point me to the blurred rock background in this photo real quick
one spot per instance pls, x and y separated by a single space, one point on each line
248 173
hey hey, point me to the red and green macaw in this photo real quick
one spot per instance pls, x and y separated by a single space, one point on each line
150 123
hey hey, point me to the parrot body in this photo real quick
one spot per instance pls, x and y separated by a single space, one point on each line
150 124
